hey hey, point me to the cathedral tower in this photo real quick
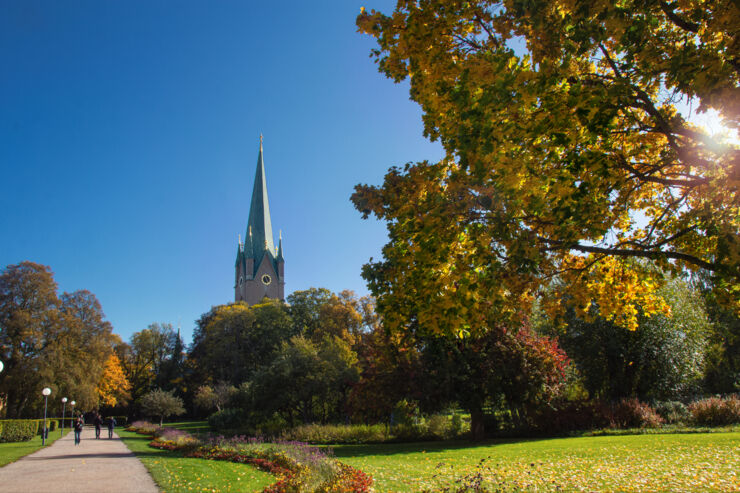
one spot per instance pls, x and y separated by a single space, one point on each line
260 267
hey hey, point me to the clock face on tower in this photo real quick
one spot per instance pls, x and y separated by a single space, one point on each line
266 279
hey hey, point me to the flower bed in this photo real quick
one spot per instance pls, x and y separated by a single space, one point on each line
299 467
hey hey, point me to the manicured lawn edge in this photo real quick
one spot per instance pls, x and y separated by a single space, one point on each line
12 451
289 472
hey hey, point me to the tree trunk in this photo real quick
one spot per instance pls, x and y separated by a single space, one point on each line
161 421
477 426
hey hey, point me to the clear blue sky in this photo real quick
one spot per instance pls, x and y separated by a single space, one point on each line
129 134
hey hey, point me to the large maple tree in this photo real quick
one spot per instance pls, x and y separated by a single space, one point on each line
566 156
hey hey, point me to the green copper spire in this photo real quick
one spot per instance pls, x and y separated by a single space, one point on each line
259 223
280 249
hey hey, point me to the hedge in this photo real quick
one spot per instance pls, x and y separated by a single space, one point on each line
19 430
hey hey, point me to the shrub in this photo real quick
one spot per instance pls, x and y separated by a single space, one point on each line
456 424
439 427
317 433
18 430
227 419
571 416
715 411
144 427
673 412
631 413
409 432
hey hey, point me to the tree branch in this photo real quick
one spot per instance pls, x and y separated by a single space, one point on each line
677 20
622 252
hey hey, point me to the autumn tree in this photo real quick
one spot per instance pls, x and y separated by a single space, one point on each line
114 387
49 340
566 153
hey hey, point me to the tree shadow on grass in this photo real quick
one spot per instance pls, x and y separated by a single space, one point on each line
385 449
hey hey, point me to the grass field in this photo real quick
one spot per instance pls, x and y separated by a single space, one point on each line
11 452
687 462
175 474
647 462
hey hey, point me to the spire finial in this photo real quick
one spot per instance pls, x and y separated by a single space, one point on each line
240 238
260 141
280 234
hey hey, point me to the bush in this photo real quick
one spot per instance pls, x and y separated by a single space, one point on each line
144 428
317 433
456 424
439 427
228 419
715 411
120 420
18 430
631 413
673 412
571 416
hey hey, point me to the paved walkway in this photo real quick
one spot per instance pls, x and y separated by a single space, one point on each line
93 466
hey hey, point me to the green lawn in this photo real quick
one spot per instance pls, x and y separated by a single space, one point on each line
194 427
686 462
649 462
11 452
174 473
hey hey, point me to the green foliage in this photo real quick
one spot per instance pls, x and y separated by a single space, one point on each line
722 373
146 356
504 368
19 430
228 419
161 403
673 412
662 359
313 379
231 342
715 411
216 397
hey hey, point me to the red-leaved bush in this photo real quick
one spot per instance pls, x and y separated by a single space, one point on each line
631 413
715 411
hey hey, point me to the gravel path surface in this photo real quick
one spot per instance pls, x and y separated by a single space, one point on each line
93 466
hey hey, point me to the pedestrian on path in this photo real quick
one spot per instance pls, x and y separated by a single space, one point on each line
78 429
98 422
111 425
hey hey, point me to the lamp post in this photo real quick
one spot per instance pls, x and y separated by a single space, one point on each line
64 408
46 393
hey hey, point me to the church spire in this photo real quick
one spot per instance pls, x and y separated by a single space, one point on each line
260 225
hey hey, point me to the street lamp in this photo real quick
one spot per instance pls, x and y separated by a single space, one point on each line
64 407
46 393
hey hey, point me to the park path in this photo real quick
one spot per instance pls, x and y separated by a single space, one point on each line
93 466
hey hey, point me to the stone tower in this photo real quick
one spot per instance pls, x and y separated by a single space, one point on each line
260 267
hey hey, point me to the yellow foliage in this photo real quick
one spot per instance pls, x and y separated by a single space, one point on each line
114 387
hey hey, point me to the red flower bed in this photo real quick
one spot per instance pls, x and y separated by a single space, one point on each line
233 456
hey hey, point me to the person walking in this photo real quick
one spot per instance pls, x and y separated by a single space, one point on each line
78 429
111 425
98 422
